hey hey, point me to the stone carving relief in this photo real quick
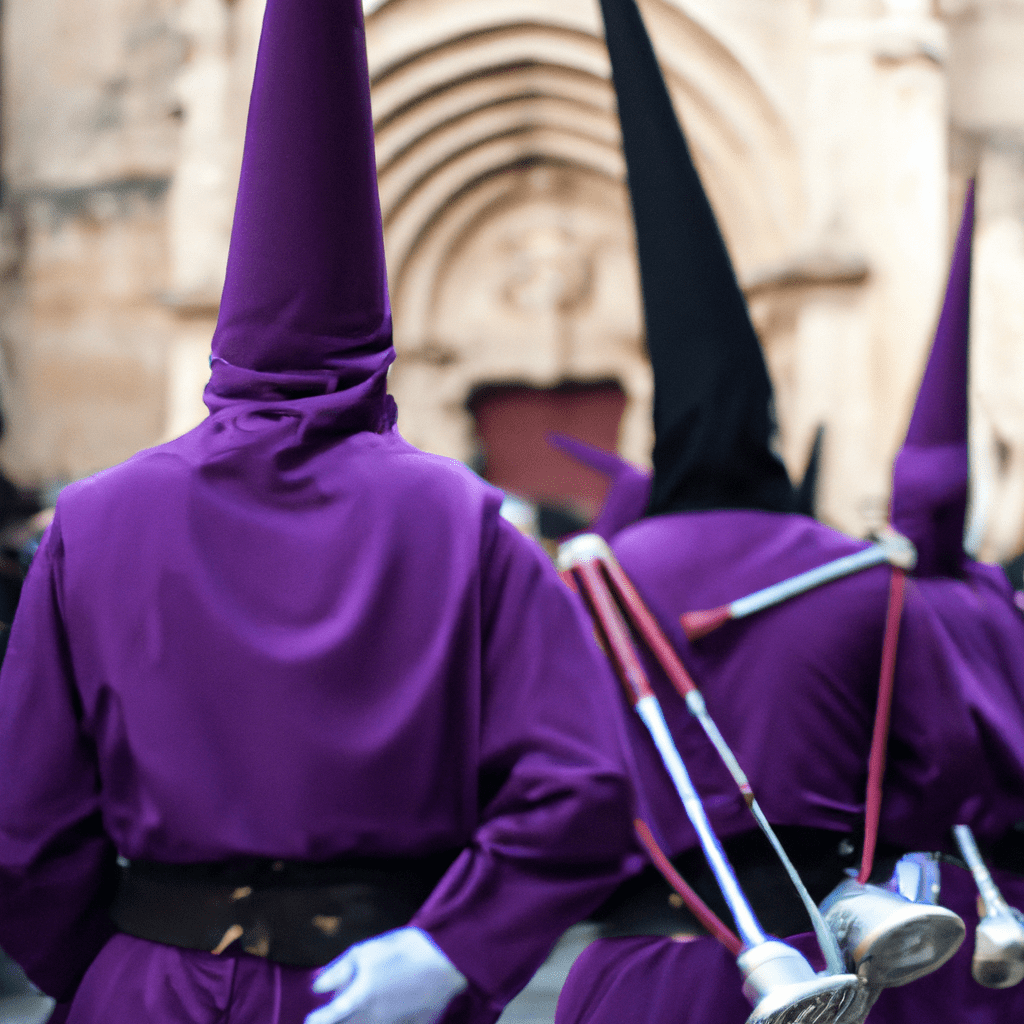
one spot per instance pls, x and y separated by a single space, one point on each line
549 270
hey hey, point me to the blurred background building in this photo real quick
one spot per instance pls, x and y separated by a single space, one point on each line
835 136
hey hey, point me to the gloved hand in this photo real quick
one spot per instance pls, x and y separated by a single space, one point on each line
400 977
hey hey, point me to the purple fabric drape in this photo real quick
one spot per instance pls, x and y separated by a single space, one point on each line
793 688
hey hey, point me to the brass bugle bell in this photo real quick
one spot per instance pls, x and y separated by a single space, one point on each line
888 940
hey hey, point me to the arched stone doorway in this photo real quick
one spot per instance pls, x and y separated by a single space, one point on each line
507 221
820 134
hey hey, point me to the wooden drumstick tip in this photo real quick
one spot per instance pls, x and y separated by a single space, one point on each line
699 624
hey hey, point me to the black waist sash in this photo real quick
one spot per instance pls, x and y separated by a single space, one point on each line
647 905
294 913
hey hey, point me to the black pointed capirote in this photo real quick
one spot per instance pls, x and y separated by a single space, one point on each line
807 492
714 420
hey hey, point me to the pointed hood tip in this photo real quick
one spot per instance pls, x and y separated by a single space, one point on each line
931 471
606 462
713 404
629 491
305 303
807 492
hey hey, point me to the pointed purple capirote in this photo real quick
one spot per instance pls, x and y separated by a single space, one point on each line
630 489
930 475
305 308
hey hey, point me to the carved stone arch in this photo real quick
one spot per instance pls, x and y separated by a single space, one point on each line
741 138
515 114
417 211
507 221
529 275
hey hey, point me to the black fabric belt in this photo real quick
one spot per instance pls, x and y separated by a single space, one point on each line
647 905
294 913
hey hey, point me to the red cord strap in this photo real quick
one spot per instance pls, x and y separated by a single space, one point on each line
615 632
649 629
590 582
700 910
880 737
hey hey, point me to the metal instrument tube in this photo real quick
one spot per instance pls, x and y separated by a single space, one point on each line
747 925
990 894
589 550
877 554
825 936
998 960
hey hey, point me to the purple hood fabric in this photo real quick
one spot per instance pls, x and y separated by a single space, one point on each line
305 314
630 489
930 475
290 634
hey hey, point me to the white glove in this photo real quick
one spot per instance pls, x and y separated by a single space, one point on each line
400 977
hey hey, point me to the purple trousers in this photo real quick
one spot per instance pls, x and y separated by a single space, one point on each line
137 982
651 980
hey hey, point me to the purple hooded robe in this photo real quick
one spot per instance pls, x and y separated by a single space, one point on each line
793 689
290 634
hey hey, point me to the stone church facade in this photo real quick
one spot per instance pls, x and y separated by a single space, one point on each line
836 138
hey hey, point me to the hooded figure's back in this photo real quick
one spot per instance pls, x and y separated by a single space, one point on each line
793 687
289 634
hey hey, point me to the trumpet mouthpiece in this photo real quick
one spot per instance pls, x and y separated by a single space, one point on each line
998 960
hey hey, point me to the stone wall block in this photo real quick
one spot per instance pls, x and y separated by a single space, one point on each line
87 387
88 91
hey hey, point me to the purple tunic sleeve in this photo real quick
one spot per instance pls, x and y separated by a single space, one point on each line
554 822
57 865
